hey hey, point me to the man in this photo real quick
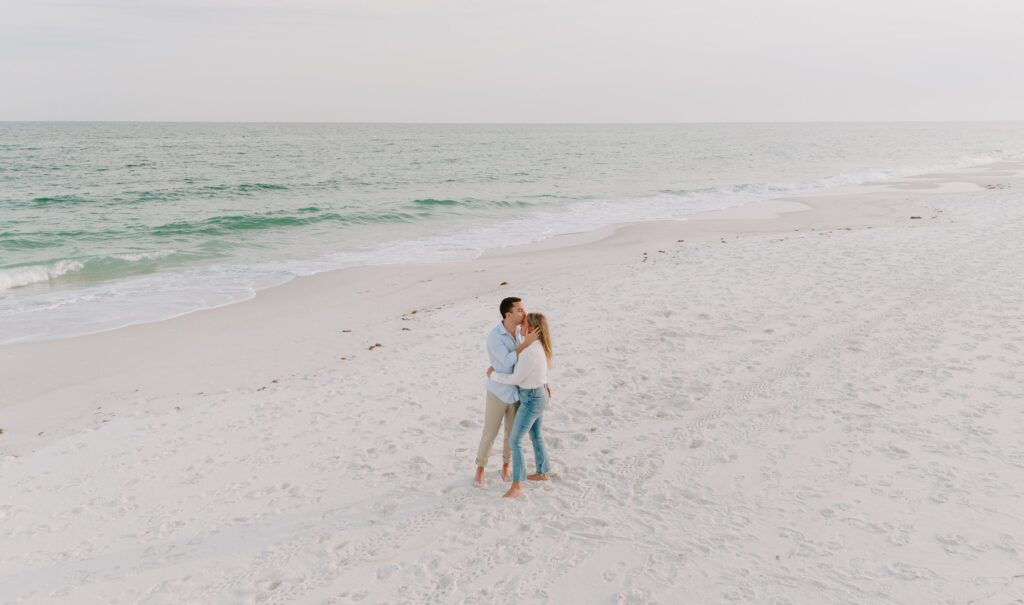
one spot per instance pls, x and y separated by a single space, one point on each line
503 348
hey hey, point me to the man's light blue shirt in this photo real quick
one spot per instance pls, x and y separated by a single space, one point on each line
501 349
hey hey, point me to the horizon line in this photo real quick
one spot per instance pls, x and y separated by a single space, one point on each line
514 123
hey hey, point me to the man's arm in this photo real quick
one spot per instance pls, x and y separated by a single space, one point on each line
514 378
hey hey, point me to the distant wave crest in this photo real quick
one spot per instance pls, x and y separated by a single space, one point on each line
745 192
164 195
430 203
219 225
416 210
60 199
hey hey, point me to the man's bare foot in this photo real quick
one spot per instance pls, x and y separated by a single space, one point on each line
506 472
479 479
513 491
538 477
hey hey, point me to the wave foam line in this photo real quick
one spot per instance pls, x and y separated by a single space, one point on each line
18 277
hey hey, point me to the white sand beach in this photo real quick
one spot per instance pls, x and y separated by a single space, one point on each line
810 400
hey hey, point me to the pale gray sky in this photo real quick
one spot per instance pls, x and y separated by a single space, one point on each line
511 60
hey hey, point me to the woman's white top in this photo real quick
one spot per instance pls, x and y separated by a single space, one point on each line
531 371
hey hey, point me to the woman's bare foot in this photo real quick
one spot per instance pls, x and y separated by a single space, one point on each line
479 479
538 477
506 472
513 491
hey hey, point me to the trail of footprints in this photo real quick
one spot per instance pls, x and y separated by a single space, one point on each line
318 553
638 468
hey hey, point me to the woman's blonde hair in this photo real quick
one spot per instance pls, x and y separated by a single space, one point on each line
537 320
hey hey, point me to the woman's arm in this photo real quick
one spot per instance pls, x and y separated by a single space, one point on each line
518 373
498 353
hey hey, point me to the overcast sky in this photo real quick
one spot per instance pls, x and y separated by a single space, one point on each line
512 60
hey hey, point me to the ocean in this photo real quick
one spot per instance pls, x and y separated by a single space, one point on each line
109 224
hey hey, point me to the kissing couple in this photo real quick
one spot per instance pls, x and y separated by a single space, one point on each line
519 349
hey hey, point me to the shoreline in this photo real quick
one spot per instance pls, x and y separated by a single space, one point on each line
297 309
829 186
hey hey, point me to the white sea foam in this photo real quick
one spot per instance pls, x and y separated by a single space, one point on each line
17 277
57 313
138 256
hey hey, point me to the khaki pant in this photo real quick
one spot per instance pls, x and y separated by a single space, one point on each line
496 411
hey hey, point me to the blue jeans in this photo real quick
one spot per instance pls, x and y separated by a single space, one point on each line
528 418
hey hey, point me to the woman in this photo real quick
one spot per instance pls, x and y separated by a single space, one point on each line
531 375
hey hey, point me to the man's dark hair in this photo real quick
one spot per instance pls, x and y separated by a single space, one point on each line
506 305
